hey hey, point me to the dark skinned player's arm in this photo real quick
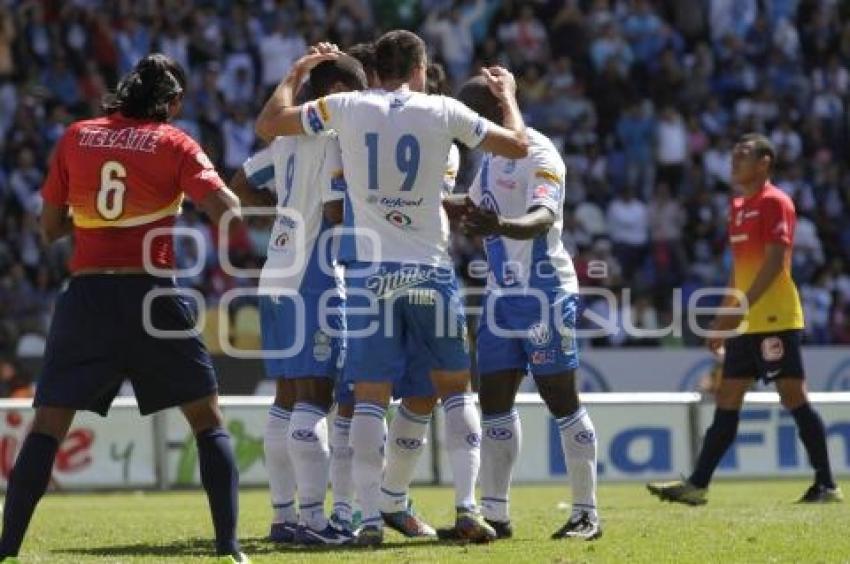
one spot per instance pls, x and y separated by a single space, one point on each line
217 203
333 212
537 221
249 195
55 222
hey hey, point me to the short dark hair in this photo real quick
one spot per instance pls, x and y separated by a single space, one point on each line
437 82
365 53
476 94
148 89
762 147
345 69
397 53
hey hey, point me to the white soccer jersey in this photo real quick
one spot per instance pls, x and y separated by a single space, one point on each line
452 168
306 173
510 187
395 147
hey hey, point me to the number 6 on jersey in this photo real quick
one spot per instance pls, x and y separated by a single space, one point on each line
110 197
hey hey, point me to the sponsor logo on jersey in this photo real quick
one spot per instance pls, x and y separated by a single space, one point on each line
409 444
281 240
506 183
314 120
539 335
545 192
422 296
400 202
542 357
584 437
286 221
399 219
385 284
547 175
499 433
321 346
396 103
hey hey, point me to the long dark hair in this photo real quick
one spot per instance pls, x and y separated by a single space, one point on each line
148 89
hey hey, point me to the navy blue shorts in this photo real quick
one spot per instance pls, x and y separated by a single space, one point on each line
767 356
97 339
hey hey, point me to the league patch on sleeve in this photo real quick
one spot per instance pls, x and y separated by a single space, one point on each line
314 120
545 192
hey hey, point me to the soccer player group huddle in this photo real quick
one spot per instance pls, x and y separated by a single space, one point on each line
358 297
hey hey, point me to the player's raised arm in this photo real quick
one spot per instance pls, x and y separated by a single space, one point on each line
280 115
508 140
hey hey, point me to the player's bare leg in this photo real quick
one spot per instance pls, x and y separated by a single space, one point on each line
794 398
219 474
368 435
463 444
718 437
578 439
310 453
406 439
31 474
501 441
278 463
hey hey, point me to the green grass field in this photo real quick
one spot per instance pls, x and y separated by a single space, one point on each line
743 522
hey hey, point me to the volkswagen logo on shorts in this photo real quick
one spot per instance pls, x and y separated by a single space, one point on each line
409 444
474 439
400 220
585 437
304 435
539 335
499 433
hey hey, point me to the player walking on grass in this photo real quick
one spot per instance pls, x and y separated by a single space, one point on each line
529 319
122 176
767 346
395 142
310 187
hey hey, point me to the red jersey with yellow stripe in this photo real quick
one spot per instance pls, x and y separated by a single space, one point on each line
755 222
121 178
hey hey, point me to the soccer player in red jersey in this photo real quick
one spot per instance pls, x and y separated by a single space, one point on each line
112 182
768 323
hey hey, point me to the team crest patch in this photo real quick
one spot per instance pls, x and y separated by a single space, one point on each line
772 349
539 335
321 346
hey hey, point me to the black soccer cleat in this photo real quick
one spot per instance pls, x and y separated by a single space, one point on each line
579 526
679 491
818 493
504 529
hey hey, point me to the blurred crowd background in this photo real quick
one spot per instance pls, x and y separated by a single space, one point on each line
644 99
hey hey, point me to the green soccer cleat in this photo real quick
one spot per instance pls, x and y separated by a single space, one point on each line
238 558
470 526
818 493
408 523
679 491
369 535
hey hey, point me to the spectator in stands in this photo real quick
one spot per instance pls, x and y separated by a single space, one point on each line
628 227
671 148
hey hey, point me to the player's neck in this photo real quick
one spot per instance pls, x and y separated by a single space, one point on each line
753 188
393 85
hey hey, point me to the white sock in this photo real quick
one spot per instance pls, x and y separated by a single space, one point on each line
500 445
341 455
463 444
368 435
308 448
405 442
578 439
279 466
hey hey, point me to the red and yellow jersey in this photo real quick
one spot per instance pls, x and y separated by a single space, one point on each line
121 178
755 222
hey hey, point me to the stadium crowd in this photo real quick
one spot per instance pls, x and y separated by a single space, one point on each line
642 97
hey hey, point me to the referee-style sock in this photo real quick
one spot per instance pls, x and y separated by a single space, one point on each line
279 466
342 485
368 435
310 454
813 434
404 447
500 444
578 439
221 481
27 483
718 437
463 444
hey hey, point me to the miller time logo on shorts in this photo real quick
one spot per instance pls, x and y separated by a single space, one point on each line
321 346
539 334
384 284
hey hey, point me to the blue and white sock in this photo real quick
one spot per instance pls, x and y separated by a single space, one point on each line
500 445
405 442
341 459
279 466
463 444
578 439
368 437
311 456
